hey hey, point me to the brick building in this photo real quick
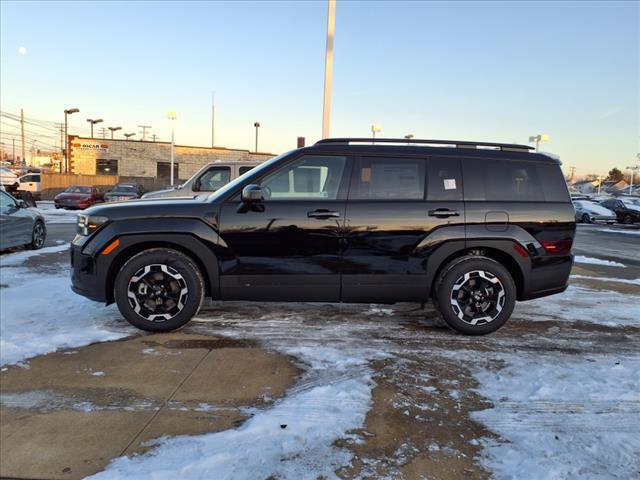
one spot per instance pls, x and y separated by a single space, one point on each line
142 160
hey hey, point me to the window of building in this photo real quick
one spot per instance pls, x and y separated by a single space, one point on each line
384 178
163 171
309 177
214 178
105 166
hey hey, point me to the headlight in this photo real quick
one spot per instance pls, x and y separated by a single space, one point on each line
87 224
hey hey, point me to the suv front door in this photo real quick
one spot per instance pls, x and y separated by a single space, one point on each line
391 225
288 246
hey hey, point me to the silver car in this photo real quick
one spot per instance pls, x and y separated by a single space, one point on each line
20 225
591 212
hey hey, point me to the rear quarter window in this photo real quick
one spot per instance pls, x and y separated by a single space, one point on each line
513 181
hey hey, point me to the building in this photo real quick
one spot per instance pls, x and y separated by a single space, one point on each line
146 162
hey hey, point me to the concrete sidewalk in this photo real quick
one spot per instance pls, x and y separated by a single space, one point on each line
71 412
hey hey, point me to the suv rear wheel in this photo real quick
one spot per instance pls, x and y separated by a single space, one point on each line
159 290
474 295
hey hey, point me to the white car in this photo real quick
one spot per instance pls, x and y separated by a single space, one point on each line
591 212
8 178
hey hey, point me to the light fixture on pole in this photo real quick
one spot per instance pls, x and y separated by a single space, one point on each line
93 122
67 112
542 137
114 129
375 128
257 125
409 136
633 172
172 116
129 135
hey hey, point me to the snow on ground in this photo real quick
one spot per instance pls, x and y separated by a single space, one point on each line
625 232
40 314
597 261
604 307
562 416
633 281
53 215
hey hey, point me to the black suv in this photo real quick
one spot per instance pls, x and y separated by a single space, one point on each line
473 226
626 210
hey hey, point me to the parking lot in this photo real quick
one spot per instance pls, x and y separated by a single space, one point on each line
253 390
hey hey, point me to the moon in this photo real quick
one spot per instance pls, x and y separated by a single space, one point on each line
22 50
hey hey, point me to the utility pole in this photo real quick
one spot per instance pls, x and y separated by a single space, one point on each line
144 131
213 119
22 135
104 133
328 68
154 136
61 145
13 141
572 173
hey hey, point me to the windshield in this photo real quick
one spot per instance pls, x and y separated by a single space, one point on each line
77 189
124 189
255 171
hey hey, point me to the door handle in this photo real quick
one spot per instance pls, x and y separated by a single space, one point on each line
443 213
323 214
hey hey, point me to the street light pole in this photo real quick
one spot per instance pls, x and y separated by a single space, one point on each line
114 129
542 137
172 116
67 112
328 68
257 125
93 122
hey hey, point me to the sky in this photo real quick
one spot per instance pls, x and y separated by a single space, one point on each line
488 71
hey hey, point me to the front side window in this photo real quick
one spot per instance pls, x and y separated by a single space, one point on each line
386 178
214 178
309 177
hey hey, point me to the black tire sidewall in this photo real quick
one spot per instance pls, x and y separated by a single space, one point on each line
586 219
183 264
450 275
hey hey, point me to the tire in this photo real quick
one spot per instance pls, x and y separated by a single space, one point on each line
177 288
585 218
38 236
626 220
493 281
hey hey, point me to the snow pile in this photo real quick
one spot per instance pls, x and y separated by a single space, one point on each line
294 439
17 258
40 314
597 261
625 232
562 417
53 215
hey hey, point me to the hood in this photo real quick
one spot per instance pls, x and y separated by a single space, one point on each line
148 208
72 196
598 209
631 206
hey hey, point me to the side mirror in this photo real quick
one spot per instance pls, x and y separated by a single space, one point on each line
196 185
251 194
22 204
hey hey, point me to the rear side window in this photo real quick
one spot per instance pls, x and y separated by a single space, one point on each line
244 170
445 179
387 178
215 178
514 181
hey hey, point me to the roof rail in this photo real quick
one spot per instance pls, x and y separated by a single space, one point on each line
455 143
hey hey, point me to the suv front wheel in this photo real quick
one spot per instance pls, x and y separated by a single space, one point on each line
159 290
474 295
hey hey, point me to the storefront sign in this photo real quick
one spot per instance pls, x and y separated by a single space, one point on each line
99 147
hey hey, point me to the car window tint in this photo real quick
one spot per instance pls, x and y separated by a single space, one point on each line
308 177
215 178
510 180
444 179
387 178
553 182
6 201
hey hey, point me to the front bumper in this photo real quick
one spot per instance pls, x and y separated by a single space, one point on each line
603 218
85 280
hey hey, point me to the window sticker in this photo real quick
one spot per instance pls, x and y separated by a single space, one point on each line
449 183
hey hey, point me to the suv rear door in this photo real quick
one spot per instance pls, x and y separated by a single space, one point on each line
288 246
394 208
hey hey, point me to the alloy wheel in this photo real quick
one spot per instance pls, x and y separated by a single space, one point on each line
477 297
157 292
38 235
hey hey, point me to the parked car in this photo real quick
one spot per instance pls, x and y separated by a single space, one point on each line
7 178
591 212
124 191
78 197
31 182
209 178
625 209
343 221
19 225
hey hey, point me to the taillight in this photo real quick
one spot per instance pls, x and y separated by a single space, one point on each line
557 247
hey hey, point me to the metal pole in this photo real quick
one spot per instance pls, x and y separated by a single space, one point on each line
13 140
91 129
66 145
257 125
213 119
328 68
172 148
22 135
